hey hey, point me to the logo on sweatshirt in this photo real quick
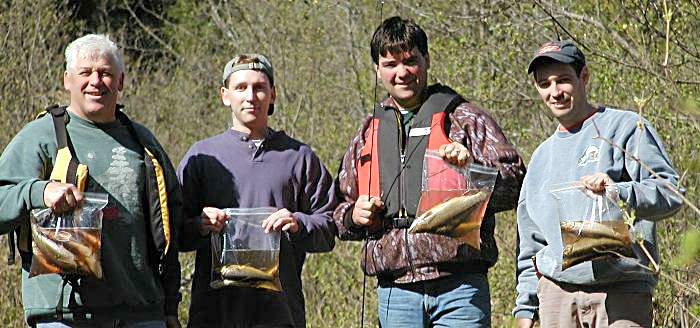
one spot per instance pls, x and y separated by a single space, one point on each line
590 155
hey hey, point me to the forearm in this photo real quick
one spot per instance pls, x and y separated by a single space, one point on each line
651 199
653 187
190 237
507 187
171 282
347 189
529 242
17 199
347 229
480 133
316 232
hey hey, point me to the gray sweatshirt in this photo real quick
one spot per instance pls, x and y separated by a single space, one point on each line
230 171
566 156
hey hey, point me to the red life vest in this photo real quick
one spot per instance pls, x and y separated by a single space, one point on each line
390 164
368 165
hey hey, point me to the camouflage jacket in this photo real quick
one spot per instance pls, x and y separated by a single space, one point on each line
400 257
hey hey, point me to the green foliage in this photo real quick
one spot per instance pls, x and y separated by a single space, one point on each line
690 249
175 51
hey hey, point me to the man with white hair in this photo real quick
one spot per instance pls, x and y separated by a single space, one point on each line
138 253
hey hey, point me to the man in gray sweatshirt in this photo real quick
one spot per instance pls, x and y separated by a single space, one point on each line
606 291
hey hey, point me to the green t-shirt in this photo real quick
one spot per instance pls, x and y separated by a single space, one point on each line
407 116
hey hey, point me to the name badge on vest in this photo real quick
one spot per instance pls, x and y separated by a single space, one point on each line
418 132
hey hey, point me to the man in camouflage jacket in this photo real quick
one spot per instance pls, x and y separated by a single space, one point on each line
424 279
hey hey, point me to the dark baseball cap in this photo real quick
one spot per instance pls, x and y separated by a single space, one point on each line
562 51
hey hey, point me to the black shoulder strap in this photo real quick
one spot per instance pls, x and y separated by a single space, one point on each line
442 98
58 114
60 119
124 119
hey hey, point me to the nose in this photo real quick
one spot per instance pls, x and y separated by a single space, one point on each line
250 93
95 78
402 71
555 90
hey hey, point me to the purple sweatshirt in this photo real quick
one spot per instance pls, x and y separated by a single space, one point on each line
229 171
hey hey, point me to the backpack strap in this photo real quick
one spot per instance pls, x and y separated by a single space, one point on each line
66 165
67 169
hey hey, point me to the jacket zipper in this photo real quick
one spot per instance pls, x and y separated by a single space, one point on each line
402 190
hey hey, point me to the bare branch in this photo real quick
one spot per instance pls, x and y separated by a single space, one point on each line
616 36
667 17
150 31
228 32
686 82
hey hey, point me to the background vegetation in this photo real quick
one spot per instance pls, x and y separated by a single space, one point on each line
643 55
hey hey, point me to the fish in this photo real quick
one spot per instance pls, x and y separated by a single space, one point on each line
53 251
273 285
592 245
447 217
243 272
85 257
40 265
586 249
90 236
592 229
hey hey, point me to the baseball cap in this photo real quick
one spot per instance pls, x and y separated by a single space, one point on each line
562 51
256 62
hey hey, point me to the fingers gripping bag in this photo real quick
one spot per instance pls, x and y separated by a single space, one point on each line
592 224
453 199
243 254
70 242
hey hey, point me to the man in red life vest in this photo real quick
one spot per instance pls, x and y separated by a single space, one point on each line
423 279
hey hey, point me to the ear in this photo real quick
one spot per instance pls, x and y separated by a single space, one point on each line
427 61
274 96
224 97
66 81
376 70
584 75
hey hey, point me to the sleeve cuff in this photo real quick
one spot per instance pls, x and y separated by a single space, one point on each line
524 314
303 231
36 194
349 224
623 191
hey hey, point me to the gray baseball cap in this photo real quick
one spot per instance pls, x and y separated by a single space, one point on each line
259 63
562 51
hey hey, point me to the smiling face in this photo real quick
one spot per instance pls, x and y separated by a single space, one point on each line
404 75
94 83
249 95
563 92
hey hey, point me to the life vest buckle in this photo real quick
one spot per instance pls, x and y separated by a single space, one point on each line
401 222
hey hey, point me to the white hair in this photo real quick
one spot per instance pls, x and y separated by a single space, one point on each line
93 45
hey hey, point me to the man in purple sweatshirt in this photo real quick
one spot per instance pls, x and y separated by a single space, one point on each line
252 165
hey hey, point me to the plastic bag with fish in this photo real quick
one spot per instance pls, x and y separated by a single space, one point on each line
70 242
453 199
243 254
591 224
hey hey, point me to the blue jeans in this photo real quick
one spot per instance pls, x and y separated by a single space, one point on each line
118 323
461 300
